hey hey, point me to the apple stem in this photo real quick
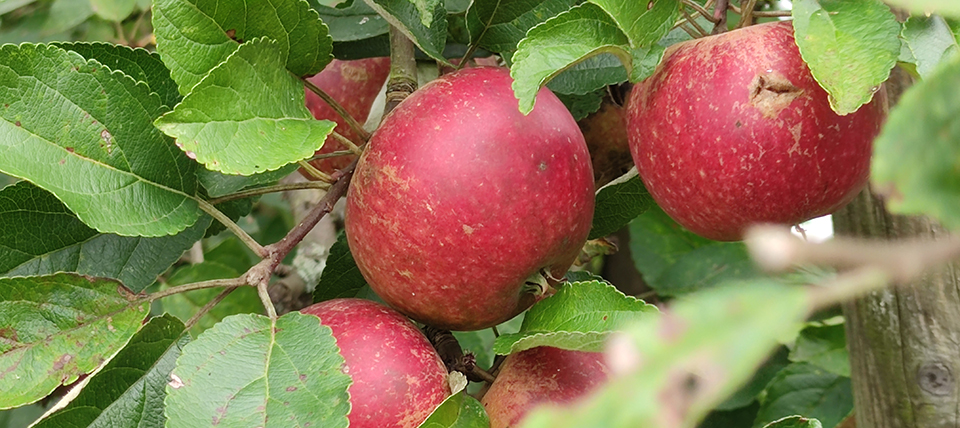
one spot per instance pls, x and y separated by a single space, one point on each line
496 332
315 173
700 10
353 148
302 185
206 308
693 22
746 13
720 16
213 283
403 70
241 234
351 121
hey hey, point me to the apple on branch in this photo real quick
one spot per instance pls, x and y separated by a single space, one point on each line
732 130
462 209
398 378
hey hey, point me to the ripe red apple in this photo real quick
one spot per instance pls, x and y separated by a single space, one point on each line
398 378
460 203
354 84
539 376
733 130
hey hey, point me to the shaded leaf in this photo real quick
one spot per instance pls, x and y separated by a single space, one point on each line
101 151
930 40
850 46
247 116
352 20
591 74
341 277
581 106
916 160
44 237
749 392
218 184
618 203
282 373
824 346
805 389
57 328
498 25
679 365
141 65
404 15
742 417
243 300
129 390
580 316
458 411
193 36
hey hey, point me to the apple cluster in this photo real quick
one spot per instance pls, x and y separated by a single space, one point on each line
463 212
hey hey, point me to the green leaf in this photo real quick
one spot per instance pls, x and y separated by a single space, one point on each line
113 10
341 277
480 342
282 373
66 14
7 6
824 346
942 7
580 316
56 328
930 40
850 46
44 237
426 8
618 203
805 389
701 349
794 422
243 300
404 15
559 43
218 184
129 390
742 417
100 151
587 76
643 23
194 36
141 65
675 261
458 411
247 116
498 25
916 160
581 106
749 392
352 20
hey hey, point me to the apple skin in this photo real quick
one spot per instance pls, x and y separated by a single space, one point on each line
459 199
354 84
732 130
539 376
398 378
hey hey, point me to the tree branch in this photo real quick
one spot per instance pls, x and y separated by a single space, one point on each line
251 243
351 121
403 70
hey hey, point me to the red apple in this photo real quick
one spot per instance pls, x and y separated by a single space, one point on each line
354 84
398 378
460 203
733 130
539 376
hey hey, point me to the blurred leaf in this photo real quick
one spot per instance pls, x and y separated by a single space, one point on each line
675 261
581 106
23 416
247 116
100 151
805 389
243 300
794 422
618 203
943 7
195 36
930 41
498 25
58 327
141 65
458 411
589 75
352 20
128 392
112 10
643 23
916 160
850 46
281 373
404 15
737 418
341 277
749 392
67 14
580 316
44 237
681 364
559 43
7 6
824 346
